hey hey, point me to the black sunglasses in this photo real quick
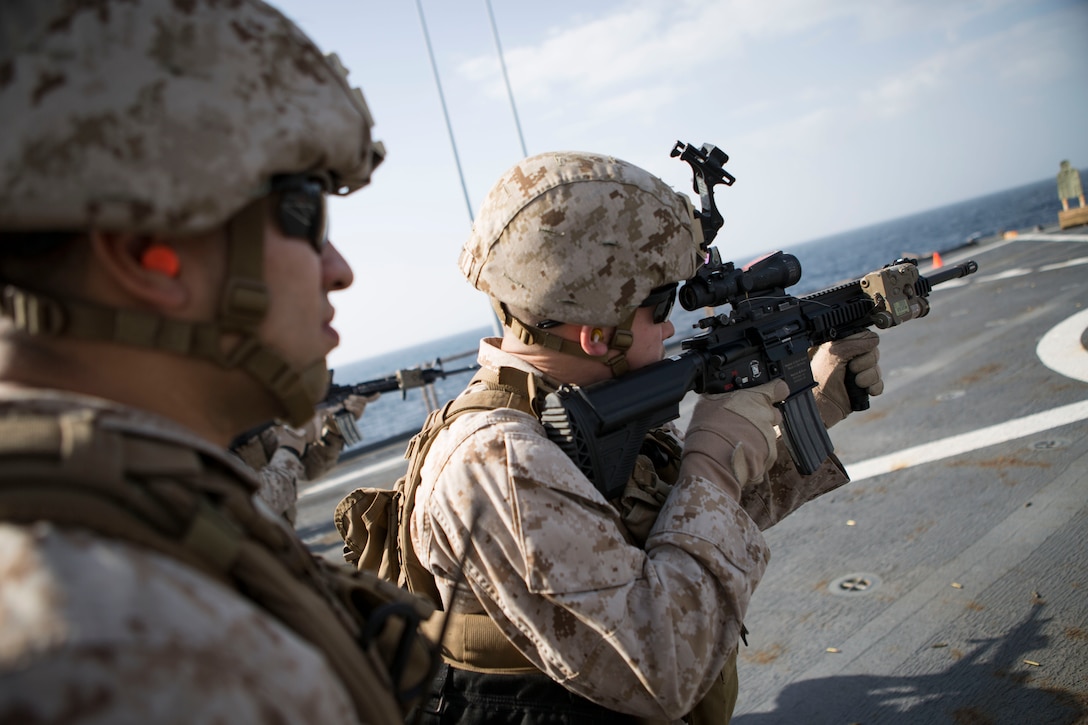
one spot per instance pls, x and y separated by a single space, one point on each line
661 299
301 210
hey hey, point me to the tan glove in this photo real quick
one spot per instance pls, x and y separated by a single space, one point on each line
731 437
641 500
356 404
858 354
339 426
296 439
656 469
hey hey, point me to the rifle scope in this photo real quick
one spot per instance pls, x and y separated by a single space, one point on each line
717 283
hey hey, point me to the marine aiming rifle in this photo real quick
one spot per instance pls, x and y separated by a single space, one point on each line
402 380
766 335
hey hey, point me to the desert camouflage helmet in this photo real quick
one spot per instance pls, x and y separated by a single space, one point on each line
160 115
170 116
580 238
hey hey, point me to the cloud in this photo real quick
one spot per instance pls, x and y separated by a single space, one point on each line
648 40
901 93
597 61
1034 51
879 20
602 55
807 130
1044 49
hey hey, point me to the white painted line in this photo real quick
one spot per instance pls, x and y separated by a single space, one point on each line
1018 272
1009 273
967 442
962 281
338 481
1061 349
1049 238
1063 265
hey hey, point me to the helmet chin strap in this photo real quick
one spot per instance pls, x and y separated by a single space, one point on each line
621 342
243 305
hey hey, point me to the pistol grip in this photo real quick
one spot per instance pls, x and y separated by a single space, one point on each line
859 398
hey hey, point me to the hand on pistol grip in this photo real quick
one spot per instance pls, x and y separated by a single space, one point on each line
842 365
296 439
356 404
731 436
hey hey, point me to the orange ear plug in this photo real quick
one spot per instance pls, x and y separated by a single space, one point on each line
161 258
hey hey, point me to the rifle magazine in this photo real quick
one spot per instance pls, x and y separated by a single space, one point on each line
806 436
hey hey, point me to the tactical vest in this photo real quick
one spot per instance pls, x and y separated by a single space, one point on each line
77 471
376 527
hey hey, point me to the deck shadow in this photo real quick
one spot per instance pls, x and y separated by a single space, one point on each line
986 686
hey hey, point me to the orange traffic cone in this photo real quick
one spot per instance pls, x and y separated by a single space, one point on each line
937 261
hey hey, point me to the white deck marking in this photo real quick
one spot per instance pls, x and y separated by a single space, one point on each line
1063 265
338 481
1008 273
1049 238
1060 350
967 442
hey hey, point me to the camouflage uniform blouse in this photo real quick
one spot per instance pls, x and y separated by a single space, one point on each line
279 470
640 630
95 630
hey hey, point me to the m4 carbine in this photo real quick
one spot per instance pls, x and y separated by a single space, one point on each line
402 380
767 334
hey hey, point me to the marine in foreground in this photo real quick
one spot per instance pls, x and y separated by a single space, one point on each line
165 276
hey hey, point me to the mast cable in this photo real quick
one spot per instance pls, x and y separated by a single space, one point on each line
505 77
445 111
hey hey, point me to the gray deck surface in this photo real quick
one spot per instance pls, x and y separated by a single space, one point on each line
948 583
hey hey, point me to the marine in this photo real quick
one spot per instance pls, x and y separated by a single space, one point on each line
558 605
283 455
165 275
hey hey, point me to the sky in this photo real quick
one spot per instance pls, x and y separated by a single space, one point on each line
836 114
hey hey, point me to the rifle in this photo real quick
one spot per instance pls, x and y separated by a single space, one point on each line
402 380
767 334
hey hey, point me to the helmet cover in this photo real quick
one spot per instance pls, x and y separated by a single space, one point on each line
580 238
161 115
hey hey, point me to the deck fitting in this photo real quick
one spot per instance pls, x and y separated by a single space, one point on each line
853 585
1049 444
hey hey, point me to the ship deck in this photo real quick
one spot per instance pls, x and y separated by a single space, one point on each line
948 582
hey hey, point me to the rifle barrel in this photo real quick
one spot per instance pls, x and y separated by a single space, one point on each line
953 272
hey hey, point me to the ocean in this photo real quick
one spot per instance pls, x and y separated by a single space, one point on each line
825 262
